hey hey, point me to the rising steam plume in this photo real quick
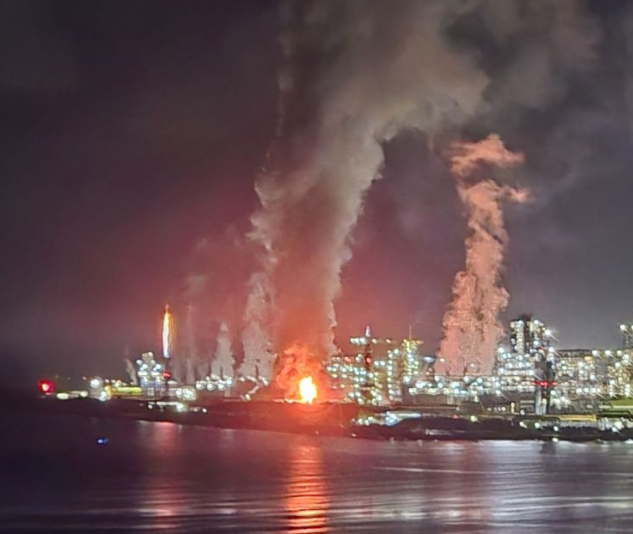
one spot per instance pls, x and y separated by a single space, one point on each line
223 363
472 327
355 74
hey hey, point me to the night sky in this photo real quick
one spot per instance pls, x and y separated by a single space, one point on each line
132 134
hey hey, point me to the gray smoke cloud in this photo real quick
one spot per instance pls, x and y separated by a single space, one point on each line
357 73
536 54
472 328
378 70
543 42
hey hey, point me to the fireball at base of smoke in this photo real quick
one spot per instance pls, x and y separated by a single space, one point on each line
295 364
472 327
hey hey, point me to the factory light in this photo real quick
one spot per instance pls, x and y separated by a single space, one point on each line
96 383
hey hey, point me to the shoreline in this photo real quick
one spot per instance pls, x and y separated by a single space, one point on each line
339 420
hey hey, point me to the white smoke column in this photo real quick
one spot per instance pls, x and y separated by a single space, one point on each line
190 373
472 328
192 345
223 363
131 371
372 70
258 355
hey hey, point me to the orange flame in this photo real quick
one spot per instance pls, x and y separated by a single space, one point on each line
307 390
168 334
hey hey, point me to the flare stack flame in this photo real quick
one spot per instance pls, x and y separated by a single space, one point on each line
168 334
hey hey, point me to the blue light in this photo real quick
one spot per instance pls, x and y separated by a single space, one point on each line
102 441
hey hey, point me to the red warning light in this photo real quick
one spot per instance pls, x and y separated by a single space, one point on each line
46 386
167 375
545 383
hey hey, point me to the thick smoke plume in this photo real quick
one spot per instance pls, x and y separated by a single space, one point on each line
471 325
356 73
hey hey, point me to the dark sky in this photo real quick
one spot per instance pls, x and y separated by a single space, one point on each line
132 134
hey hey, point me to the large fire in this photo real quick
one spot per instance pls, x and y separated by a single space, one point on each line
298 372
307 390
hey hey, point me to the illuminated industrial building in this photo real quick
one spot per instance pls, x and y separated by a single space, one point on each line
587 377
528 366
531 374
379 373
215 383
151 375
523 371
531 344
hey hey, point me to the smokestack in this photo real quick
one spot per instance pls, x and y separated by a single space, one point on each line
472 328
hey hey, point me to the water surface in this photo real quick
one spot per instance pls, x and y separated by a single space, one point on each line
161 477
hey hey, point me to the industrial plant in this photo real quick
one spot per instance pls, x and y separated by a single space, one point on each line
383 387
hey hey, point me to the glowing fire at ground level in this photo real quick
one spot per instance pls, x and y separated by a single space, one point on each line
307 390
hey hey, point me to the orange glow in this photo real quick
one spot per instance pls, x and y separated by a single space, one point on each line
307 499
167 332
307 390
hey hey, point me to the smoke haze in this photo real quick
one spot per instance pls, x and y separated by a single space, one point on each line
378 71
124 151
472 326
355 75
223 362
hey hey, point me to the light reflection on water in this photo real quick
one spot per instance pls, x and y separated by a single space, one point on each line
307 497
162 477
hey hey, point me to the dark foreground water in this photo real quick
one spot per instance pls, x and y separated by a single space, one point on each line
159 477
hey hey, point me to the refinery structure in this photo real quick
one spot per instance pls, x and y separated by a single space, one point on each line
290 354
530 374
378 388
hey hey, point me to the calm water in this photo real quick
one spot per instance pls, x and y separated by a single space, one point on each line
159 477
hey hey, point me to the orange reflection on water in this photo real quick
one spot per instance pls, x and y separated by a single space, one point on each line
307 500
163 501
